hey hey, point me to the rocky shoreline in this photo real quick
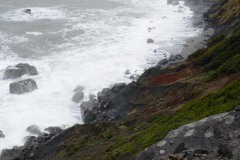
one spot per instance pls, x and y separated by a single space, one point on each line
121 106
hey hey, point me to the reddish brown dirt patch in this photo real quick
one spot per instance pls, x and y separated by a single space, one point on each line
168 78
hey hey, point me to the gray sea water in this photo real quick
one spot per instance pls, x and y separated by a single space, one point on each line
90 43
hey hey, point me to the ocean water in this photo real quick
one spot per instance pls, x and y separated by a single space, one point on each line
90 43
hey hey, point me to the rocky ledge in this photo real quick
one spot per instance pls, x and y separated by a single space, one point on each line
215 137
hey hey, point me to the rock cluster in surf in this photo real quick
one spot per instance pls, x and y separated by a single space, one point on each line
22 86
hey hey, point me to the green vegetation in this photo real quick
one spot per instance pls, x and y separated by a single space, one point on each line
227 12
221 58
128 139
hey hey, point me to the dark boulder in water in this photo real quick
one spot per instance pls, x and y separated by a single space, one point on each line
28 11
19 70
150 40
1 134
21 87
78 97
34 129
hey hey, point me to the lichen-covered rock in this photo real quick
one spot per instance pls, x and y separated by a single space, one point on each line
210 138
24 86
19 70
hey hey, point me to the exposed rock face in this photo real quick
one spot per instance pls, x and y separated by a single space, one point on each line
89 111
32 144
103 98
1 134
26 152
214 137
19 70
100 109
24 86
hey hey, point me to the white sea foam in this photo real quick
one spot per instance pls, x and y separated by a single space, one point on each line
88 47
36 14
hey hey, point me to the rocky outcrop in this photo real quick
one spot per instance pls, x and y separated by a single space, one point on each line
1 134
89 111
24 86
32 144
19 70
215 137
108 106
26 152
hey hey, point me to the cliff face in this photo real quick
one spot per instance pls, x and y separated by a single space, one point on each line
129 118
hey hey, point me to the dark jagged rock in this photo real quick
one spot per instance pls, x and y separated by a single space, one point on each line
28 151
103 98
210 138
1 134
117 87
88 111
28 11
19 70
34 129
111 105
150 40
30 140
24 86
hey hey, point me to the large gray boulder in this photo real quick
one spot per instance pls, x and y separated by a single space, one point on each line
24 86
1 134
215 137
19 70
